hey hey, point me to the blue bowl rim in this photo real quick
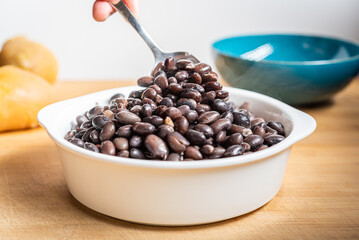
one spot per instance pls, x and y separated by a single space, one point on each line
316 62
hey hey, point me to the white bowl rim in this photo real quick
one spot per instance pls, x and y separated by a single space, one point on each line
303 126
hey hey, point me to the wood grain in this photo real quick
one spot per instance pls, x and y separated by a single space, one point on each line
319 198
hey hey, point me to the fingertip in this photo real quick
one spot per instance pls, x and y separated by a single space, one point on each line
101 10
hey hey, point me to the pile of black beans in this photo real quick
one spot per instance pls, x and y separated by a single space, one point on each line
182 114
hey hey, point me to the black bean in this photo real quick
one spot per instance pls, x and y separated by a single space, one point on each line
161 111
177 142
70 134
174 157
124 131
257 121
208 117
149 93
207 150
137 153
246 146
146 110
210 77
158 67
193 153
220 106
123 153
228 115
160 73
94 111
91 147
192 116
195 137
234 139
182 75
234 150
212 86
184 64
95 136
186 101
156 146
156 88
136 94
136 109
161 81
175 88
172 80
80 133
205 129
262 147
208 97
258 130
196 78
167 102
156 121
220 124
273 139
135 141
202 68
241 119
220 137
81 119
145 81
169 64
86 124
201 108
164 130
191 94
143 128
173 113
107 131
181 125
222 94
254 141
184 109
270 131
194 86
276 126
218 151
127 118
121 143
86 136
108 148
117 95
78 142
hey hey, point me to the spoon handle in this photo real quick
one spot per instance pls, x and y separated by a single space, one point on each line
127 14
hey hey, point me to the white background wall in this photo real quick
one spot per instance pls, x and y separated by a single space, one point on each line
112 50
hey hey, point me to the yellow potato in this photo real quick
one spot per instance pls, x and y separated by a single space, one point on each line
22 95
31 56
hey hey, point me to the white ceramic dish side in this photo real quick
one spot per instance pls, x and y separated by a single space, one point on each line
174 193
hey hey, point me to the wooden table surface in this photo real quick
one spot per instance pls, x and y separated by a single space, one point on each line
319 198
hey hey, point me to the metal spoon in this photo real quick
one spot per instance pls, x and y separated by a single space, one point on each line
160 56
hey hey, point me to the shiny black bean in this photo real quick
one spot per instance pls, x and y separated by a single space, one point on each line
169 64
177 142
210 77
95 137
135 141
156 88
164 130
205 129
143 128
91 147
257 121
202 108
137 153
270 131
208 117
192 116
146 110
246 146
161 81
136 94
80 133
262 147
173 157
184 64
221 124
212 86
124 131
121 143
78 142
136 109
94 111
258 130
145 81
172 80
185 101
161 111
220 106
273 139
70 134
149 93
86 124
127 118
193 153
117 95
227 115
218 151
173 113
175 88
86 136
222 94
254 141
220 137
276 126
191 94
107 131
202 68
81 119
207 150
208 97
158 67
234 150
184 109
156 121
181 125
123 153
241 119
156 146
108 148
182 75
194 86
167 102
195 137
196 78
234 139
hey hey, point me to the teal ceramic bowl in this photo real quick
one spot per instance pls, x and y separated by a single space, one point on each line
296 69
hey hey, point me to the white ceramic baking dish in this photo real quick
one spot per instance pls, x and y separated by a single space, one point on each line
174 193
